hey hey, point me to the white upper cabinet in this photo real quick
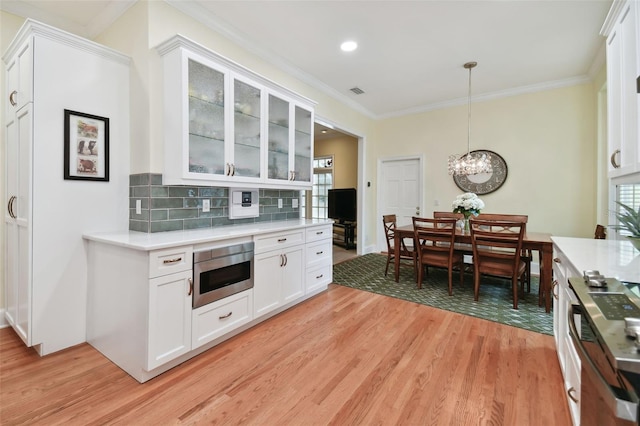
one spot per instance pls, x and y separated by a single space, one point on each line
622 29
225 125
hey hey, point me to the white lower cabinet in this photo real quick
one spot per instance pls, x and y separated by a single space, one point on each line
319 258
169 318
567 356
215 319
278 279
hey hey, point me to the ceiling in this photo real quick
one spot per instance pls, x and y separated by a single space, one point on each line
411 53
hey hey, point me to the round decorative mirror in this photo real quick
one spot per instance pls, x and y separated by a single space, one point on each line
484 183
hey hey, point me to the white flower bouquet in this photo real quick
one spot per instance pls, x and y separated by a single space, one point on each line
468 204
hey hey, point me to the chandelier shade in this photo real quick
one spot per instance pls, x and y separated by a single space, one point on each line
469 163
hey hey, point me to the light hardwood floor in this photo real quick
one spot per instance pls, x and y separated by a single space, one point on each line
344 357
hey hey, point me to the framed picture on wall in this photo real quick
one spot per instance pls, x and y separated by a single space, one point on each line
86 146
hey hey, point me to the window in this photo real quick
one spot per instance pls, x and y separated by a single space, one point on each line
628 194
315 201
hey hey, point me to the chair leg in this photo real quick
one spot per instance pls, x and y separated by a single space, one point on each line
450 280
386 269
476 285
514 285
420 267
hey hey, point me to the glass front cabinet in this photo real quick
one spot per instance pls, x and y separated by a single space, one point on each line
225 125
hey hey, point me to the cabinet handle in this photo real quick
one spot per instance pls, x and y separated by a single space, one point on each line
554 286
225 316
293 173
190 287
319 276
282 240
319 232
319 252
614 163
233 169
12 98
281 261
10 206
285 260
557 260
174 260
572 397
227 169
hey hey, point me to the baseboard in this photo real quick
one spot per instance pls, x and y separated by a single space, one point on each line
3 319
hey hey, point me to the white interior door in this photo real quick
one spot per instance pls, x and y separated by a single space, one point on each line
400 191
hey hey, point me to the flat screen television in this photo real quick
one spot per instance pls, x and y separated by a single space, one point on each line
343 205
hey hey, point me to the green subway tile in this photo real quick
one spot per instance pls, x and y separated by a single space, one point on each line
197 223
205 191
160 214
183 191
155 179
141 191
138 225
166 203
167 225
182 213
159 191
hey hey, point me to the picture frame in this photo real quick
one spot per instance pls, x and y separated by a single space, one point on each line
86 146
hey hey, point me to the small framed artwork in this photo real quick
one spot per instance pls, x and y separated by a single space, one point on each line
86 146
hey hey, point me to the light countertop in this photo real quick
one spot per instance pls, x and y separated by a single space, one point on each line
613 258
159 240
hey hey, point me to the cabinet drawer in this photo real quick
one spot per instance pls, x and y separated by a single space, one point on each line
319 278
319 253
168 261
318 233
278 240
216 319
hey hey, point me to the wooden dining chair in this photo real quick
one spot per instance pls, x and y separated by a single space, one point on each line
435 240
497 248
407 255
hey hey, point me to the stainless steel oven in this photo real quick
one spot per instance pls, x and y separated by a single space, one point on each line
221 272
607 394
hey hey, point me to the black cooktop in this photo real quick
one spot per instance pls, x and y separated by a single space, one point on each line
615 306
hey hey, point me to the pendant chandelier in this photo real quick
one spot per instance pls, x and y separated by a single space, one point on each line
469 163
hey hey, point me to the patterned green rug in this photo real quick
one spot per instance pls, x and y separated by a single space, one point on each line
494 304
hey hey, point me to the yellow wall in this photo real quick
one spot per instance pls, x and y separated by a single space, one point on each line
547 140
345 154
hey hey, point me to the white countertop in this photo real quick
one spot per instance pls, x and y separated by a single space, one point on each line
613 258
159 240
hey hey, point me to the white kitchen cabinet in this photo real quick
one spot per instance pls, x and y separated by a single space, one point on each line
45 215
319 258
169 333
279 270
218 318
567 356
226 124
622 29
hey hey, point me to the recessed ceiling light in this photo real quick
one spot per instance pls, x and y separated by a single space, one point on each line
349 46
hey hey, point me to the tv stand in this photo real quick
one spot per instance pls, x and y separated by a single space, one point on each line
344 234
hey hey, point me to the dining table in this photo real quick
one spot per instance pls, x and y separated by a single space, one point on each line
536 241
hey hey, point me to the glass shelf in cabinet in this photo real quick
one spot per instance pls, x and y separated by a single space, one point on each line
214 102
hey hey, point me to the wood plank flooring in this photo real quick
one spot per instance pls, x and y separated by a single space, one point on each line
344 357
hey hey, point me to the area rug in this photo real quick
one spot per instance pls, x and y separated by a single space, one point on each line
495 301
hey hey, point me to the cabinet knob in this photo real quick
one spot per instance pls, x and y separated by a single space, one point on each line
614 163
557 260
12 98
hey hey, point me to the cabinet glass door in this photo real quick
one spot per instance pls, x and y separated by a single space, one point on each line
278 151
206 119
303 154
246 116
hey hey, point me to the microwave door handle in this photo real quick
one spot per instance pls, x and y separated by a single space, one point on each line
624 409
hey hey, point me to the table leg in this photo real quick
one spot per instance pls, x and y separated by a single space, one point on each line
396 252
545 274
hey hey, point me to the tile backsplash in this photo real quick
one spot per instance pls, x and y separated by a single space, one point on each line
172 208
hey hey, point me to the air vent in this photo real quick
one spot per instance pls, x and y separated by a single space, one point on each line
357 90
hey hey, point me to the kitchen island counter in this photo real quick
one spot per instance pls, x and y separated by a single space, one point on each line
613 258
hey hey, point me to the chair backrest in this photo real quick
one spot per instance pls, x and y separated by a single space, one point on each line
498 217
389 224
494 240
434 235
447 215
601 233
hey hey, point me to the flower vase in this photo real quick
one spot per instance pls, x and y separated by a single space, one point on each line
467 228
